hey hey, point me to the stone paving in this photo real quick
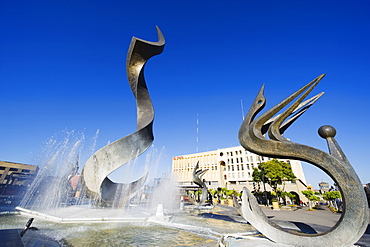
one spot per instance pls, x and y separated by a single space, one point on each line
301 219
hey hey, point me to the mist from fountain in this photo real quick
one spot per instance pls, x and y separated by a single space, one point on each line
58 161
51 192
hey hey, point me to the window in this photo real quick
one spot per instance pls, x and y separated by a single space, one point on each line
13 169
242 167
237 160
241 160
237 167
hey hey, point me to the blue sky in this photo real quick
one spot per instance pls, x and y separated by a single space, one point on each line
62 66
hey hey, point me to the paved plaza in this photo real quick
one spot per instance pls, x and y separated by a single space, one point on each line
301 219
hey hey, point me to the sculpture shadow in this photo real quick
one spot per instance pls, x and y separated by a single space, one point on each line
367 229
304 227
217 217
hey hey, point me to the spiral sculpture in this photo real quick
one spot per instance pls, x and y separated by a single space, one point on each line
109 158
355 217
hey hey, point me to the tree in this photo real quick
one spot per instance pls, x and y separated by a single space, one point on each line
212 192
309 194
332 197
284 195
274 173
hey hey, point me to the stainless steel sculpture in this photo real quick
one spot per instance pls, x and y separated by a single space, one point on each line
95 181
197 179
355 217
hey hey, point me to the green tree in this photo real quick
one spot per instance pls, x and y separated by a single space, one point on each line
274 173
331 197
213 192
284 195
230 193
309 194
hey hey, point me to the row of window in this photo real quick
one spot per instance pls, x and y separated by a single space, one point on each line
12 169
247 159
213 167
238 175
239 167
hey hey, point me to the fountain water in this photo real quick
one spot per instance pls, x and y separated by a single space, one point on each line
58 163
53 194
149 217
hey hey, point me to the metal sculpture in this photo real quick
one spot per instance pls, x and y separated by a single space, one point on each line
103 162
355 217
197 179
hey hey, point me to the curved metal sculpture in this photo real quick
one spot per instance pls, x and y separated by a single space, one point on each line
355 217
103 162
197 179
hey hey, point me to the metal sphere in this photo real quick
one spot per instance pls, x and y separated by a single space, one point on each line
327 131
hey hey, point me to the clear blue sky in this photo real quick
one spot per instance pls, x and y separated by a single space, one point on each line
62 66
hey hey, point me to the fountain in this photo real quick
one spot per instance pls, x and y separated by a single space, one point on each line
99 212
96 186
120 211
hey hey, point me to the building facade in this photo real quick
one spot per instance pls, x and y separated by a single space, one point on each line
14 181
231 168
16 174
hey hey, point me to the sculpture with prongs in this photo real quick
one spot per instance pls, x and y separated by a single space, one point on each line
252 136
197 179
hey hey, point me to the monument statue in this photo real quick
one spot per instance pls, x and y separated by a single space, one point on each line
109 158
355 216
197 179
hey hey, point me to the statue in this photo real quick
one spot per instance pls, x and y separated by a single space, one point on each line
355 217
197 179
109 158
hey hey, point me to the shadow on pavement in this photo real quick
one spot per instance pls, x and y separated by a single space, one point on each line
217 217
304 227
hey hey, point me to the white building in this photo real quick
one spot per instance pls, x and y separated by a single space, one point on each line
231 168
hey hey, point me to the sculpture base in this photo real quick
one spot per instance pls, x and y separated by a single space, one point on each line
81 214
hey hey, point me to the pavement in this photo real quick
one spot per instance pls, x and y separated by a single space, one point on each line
301 219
